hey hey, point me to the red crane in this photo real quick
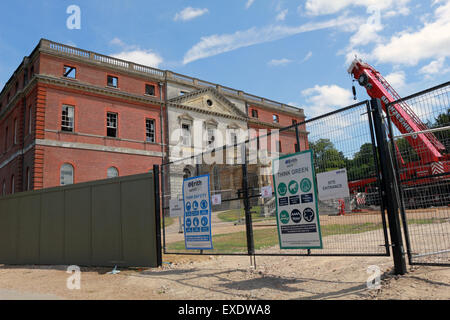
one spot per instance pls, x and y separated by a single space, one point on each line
431 151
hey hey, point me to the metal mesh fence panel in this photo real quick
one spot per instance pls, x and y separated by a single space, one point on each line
423 167
227 218
353 225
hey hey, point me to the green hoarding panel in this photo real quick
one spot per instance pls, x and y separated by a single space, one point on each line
99 223
52 228
8 231
78 225
106 225
28 237
137 203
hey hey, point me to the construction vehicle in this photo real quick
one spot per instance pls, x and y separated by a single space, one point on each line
427 181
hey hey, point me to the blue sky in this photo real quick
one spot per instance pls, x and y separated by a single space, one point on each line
295 52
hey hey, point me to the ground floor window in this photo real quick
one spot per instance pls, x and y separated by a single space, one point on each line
66 174
112 172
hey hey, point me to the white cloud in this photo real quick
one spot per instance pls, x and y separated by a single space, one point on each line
308 56
217 44
190 13
367 32
279 62
136 54
435 67
117 42
249 3
145 57
326 98
282 15
321 7
432 41
396 79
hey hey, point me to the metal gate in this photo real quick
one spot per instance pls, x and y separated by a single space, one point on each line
245 221
422 167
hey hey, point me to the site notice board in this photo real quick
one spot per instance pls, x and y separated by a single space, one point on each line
197 213
296 198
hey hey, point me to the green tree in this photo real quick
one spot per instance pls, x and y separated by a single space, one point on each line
363 163
443 120
326 156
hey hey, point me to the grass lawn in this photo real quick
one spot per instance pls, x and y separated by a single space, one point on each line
167 222
268 237
236 214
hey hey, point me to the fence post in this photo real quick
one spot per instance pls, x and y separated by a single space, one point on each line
297 136
157 215
388 184
377 172
248 214
399 193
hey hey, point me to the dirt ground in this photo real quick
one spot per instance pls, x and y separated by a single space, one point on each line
234 278
231 278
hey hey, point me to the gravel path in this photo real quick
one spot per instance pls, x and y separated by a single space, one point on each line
231 277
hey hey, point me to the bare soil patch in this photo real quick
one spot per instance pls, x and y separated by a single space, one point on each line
225 277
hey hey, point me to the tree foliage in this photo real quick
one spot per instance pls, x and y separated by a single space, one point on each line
328 158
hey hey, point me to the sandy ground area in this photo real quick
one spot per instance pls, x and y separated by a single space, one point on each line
234 278
231 278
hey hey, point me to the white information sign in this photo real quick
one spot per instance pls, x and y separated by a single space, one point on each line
333 185
176 207
197 213
266 192
216 199
297 209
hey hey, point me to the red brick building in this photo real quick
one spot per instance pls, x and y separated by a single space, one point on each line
69 115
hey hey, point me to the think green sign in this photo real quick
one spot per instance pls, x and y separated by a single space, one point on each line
297 210
282 189
305 185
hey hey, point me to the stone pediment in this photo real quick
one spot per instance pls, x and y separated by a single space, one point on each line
208 100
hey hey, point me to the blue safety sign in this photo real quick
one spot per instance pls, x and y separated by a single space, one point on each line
197 213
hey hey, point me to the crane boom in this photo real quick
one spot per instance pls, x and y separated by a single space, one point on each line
427 146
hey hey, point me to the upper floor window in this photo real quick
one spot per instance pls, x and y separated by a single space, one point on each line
294 121
150 130
254 113
279 150
150 89
112 172
66 174
70 72
211 137
111 124
276 118
186 134
113 82
67 118
233 138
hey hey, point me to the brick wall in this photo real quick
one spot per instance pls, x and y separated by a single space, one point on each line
91 165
